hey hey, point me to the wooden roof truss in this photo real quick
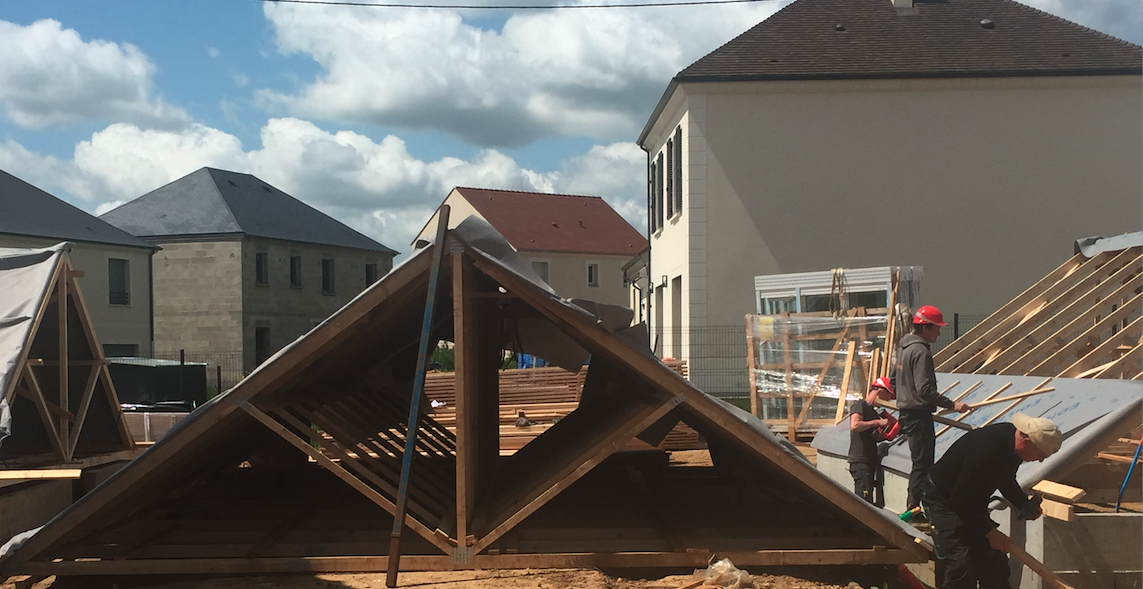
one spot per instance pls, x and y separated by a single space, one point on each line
1082 320
62 400
297 468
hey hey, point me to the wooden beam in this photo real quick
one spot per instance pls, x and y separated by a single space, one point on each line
584 460
61 286
46 418
1037 343
751 371
1023 395
964 393
1057 510
81 412
40 474
467 357
993 395
413 562
937 418
1128 335
843 395
821 375
1117 368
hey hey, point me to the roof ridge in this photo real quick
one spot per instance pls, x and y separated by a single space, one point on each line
214 186
527 192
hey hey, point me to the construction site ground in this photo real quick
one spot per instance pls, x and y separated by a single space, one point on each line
505 579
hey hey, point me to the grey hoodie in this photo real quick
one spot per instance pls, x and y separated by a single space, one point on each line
914 377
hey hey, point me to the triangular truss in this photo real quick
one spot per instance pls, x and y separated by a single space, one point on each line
58 388
297 468
1082 320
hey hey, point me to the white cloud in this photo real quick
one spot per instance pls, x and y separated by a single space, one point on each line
49 76
1119 18
377 187
594 73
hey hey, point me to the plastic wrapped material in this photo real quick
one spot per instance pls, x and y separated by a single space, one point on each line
724 574
807 355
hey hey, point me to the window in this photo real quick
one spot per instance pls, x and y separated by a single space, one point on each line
118 281
541 270
670 178
370 274
262 268
295 271
120 350
659 192
593 274
651 196
678 175
261 344
327 277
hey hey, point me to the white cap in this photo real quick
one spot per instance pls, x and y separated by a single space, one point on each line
1043 432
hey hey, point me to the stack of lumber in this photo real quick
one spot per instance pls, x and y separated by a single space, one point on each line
545 395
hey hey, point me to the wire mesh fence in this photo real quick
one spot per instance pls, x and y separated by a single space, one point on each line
223 369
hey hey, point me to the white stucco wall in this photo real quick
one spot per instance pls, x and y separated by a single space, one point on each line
984 182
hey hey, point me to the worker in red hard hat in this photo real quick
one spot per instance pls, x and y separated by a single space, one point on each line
867 427
914 378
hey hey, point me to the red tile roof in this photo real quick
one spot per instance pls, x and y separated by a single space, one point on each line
556 222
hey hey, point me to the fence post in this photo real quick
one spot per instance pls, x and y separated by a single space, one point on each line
182 367
956 325
218 378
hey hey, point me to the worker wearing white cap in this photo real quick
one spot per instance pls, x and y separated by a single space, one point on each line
960 486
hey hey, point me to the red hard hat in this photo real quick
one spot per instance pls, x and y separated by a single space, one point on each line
929 314
883 383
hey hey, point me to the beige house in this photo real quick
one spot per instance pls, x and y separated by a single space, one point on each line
577 244
115 265
245 267
976 138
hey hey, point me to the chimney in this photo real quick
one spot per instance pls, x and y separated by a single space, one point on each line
902 3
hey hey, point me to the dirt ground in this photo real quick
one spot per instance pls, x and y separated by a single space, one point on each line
502 579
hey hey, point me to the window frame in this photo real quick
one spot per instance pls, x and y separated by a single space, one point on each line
262 268
593 274
328 276
295 271
124 296
371 268
546 277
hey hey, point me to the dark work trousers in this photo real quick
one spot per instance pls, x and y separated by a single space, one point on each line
864 479
917 425
968 557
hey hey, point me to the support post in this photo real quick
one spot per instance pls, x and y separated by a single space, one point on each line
415 405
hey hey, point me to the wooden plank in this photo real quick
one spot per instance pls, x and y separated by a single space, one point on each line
40 474
1023 395
937 418
1059 491
993 395
821 375
965 393
843 395
1057 510
890 328
791 422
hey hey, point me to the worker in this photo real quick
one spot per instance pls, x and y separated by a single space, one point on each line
867 427
959 488
914 379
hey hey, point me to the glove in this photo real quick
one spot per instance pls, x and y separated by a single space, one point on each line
1031 509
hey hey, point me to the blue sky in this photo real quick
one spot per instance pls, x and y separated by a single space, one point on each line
369 114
